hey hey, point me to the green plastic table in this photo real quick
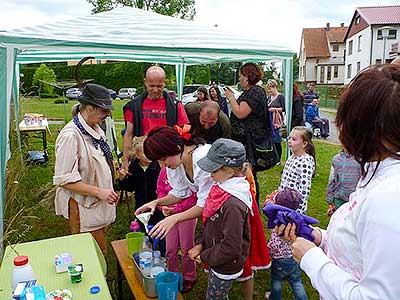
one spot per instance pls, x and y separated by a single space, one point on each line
83 249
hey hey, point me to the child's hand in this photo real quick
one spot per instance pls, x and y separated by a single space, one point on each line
194 253
122 173
167 211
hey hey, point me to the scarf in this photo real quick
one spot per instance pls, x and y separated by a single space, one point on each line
220 192
102 143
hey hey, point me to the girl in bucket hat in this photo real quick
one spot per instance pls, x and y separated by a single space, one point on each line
224 241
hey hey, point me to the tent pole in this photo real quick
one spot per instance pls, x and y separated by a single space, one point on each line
180 71
288 82
16 104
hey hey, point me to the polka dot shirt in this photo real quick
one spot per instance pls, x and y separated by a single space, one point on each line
297 175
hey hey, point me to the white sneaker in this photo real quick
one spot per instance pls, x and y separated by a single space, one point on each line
267 294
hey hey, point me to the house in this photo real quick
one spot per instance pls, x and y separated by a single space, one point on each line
321 58
372 38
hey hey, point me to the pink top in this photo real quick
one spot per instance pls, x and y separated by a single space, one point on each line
163 189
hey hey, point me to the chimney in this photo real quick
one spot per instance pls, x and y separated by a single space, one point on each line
328 26
341 24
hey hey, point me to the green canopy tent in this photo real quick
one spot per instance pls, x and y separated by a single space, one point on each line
123 34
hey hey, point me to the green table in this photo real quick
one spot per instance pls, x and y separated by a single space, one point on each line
83 249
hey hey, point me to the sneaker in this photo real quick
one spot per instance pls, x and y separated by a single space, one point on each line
267 294
188 286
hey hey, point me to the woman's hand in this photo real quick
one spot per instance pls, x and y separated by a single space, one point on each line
195 252
151 206
300 247
167 211
229 94
161 229
123 172
107 195
289 233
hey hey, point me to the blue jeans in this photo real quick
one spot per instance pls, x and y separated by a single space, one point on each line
286 268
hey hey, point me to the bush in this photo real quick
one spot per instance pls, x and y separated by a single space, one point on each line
48 95
44 73
60 101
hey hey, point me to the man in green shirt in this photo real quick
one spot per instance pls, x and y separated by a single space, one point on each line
208 121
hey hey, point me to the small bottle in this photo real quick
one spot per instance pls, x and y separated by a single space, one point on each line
146 245
22 271
157 262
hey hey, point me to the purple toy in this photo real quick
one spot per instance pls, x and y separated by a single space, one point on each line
278 215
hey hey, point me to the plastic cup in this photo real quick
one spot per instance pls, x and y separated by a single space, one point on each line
75 273
134 241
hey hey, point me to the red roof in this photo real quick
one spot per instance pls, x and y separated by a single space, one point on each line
380 14
316 40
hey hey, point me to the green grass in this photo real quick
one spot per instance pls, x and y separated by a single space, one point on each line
56 110
38 180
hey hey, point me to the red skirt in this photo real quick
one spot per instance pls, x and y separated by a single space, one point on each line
258 257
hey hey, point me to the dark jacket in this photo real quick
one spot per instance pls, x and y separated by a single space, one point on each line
144 184
226 238
297 112
135 106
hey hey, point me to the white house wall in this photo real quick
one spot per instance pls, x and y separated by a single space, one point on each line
377 48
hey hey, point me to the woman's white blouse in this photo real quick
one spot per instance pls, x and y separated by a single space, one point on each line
182 187
359 256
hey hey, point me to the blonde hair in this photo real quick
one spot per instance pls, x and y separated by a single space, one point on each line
241 170
137 145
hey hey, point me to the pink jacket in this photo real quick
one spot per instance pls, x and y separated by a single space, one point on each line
163 189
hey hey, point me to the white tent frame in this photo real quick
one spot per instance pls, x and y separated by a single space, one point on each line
183 44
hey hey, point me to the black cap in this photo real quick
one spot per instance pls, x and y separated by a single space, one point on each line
96 95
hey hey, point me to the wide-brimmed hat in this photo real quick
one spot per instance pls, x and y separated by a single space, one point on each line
223 153
96 95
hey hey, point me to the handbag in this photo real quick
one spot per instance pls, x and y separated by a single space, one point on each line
261 151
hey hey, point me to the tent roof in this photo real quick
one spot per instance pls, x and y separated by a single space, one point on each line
133 34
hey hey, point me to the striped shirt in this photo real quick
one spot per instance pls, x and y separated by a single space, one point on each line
344 176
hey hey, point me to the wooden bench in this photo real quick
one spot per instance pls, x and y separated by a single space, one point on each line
126 267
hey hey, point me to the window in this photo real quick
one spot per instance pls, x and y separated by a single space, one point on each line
335 48
329 73
349 71
380 34
378 61
358 66
359 43
322 74
335 71
392 34
350 47
357 21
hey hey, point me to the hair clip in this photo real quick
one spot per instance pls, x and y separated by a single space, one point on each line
184 131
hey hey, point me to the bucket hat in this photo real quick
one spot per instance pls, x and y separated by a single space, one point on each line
96 95
223 153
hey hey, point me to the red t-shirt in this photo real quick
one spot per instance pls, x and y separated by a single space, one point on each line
155 114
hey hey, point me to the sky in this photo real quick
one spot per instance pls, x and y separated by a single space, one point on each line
277 21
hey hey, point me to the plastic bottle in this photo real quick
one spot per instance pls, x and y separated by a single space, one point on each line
157 262
22 271
146 245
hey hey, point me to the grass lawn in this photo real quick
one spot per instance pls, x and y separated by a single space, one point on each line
35 181
56 110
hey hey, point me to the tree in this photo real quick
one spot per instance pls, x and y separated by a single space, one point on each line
44 74
227 73
183 9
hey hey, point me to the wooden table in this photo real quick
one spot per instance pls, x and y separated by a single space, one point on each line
125 264
38 131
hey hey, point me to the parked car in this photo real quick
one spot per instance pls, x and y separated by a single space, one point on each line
73 93
113 94
127 93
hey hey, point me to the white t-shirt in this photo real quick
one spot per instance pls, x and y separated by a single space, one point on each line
182 187
358 258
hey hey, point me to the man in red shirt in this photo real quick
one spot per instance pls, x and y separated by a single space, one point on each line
153 108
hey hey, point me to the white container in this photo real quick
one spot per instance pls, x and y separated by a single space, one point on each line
154 271
146 262
22 271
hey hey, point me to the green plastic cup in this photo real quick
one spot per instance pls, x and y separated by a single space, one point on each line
134 241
